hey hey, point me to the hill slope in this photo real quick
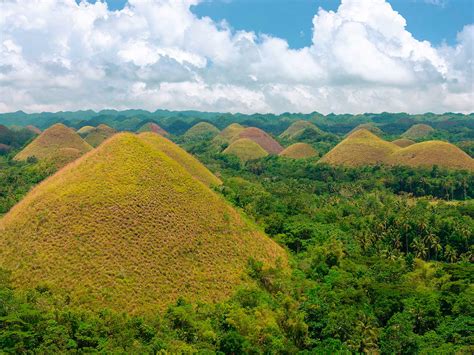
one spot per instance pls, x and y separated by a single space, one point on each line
360 148
58 144
246 149
226 135
369 127
418 131
186 160
85 130
299 151
261 138
431 153
126 227
297 128
99 134
152 127
202 130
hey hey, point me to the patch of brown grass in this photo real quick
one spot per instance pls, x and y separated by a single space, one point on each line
152 127
261 138
83 131
33 129
226 135
299 151
58 144
246 149
403 142
128 228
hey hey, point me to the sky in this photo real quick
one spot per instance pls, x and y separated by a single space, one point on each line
348 56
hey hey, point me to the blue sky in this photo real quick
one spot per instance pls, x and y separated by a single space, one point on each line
437 21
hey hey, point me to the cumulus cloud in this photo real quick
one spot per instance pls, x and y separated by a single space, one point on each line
60 55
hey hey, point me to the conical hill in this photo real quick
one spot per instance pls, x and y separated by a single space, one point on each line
201 130
99 134
360 148
297 127
403 142
418 131
368 127
246 149
226 135
58 144
128 228
152 127
299 151
260 137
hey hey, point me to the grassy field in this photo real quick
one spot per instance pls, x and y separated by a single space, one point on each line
127 227
246 149
58 144
299 151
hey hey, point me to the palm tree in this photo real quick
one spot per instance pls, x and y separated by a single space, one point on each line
450 254
420 248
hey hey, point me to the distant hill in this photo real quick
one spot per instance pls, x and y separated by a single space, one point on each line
226 135
126 227
360 148
261 138
369 127
152 127
33 129
431 153
246 149
299 151
403 142
186 160
418 131
58 144
297 128
202 130
85 130
99 134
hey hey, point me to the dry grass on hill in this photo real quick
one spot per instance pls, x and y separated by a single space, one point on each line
261 138
33 129
418 131
403 142
186 160
431 153
246 149
58 144
202 130
85 130
152 127
128 228
368 127
226 135
360 148
296 128
299 151
99 134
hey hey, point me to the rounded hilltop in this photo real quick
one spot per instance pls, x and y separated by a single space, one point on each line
430 153
260 137
403 142
152 127
246 149
58 145
128 228
299 151
418 131
226 135
201 130
368 127
360 148
99 134
84 130
297 128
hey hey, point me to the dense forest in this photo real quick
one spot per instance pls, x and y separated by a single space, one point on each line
381 258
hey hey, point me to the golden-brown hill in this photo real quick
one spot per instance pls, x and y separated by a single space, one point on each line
360 148
202 130
431 153
246 149
299 151
83 131
260 137
99 134
58 144
297 127
152 127
418 131
186 160
226 135
128 228
33 129
368 127
403 142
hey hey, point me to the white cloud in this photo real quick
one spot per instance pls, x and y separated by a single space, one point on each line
59 55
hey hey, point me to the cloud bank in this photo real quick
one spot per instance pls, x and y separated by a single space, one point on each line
60 55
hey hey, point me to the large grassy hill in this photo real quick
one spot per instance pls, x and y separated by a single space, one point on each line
246 149
226 135
299 151
58 144
418 131
360 148
260 137
296 128
127 227
201 130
